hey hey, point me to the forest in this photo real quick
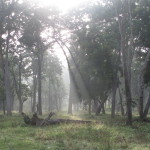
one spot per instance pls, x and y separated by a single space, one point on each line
87 68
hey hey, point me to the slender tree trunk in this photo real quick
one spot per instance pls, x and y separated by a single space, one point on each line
20 90
141 104
121 103
20 107
70 106
49 94
103 108
141 90
90 106
56 94
95 105
4 109
2 62
99 108
147 106
34 93
2 75
31 104
39 83
7 80
56 98
70 96
34 69
98 111
59 104
128 96
17 86
125 59
114 88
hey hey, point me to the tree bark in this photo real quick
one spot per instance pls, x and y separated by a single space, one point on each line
20 90
128 95
35 120
121 103
4 109
39 82
17 86
2 74
103 108
90 106
141 88
49 94
114 88
95 105
34 68
7 79
99 109
125 59
147 106
70 95
34 94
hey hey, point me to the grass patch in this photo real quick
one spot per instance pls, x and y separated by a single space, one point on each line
110 134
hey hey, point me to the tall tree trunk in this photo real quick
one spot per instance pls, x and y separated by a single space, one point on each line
56 94
147 106
31 104
70 106
70 95
2 75
126 56
121 103
20 90
39 82
7 79
114 88
4 109
95 105
34 69
128 94
90 106
17 86
98 111
103 108
34 94
49 94
100 108
2 63
141 88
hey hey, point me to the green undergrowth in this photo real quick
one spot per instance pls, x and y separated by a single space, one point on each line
103 134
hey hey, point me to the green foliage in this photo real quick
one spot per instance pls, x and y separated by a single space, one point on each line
95 48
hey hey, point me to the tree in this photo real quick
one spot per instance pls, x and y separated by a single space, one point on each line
93 42
39 24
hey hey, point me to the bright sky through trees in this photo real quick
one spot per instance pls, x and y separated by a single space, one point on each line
63 5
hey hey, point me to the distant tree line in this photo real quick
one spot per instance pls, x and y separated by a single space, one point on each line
29 68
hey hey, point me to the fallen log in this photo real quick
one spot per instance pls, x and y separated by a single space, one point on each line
36 121
44 122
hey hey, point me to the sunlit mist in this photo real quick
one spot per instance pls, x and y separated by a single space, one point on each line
63 5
